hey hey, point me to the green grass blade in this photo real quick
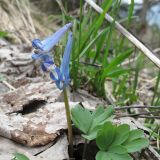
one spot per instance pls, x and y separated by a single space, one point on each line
131 9
90 44
116 61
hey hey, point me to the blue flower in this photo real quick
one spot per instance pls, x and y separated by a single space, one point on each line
43 52
43 48
61 75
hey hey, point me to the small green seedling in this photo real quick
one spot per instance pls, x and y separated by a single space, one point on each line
19 156
3 34
117 142
90 122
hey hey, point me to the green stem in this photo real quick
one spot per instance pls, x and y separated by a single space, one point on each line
84 149
70 140
156 88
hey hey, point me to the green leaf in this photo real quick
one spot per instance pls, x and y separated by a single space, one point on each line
100 44
90 122
105 136
92 135
3 34
136 145
122 134
82 118
117 149
135 134
101 155
116 61
106 5
90 44
131 9
117 72
115 156
100 115
19 156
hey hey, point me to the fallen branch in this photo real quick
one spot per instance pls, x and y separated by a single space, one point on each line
129 107
138 114
154 154
8 85
127 34
141 116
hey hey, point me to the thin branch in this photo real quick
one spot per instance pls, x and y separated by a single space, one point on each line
153 117
153 153
127 34
129 107
138 114
8 85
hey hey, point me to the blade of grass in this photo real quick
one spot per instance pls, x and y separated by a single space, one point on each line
137 70
90 44
128 35
156 88
105 60
117 72
116 61
100 45
131 9
93 29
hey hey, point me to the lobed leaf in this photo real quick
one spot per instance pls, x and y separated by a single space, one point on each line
82 118
122 133
90 122
136 145
105 136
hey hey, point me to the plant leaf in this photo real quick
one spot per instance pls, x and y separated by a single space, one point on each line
131 9
136 145
82 118
100 115
90 122
117 72
116 61
19 156
101 155
3 34
105 136
135 134
115 156
117 149
122 133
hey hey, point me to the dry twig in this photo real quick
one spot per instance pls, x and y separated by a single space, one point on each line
127 34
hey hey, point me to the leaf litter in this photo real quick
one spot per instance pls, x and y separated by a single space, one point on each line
33 114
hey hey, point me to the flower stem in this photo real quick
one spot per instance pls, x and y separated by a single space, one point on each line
84 149
70 140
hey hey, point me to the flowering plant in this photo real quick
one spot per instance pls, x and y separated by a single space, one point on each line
60 75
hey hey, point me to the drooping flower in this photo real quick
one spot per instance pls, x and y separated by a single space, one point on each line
61 75
43 52
43 48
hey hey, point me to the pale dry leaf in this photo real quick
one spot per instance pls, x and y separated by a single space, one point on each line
58 151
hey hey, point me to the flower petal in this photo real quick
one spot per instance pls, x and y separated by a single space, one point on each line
66 57
50 42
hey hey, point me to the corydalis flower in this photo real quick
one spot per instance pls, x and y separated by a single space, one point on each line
43 48
43 52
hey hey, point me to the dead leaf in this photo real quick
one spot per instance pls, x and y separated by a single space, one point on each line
58 151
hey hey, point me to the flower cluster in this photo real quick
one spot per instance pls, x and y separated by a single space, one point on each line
60 75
